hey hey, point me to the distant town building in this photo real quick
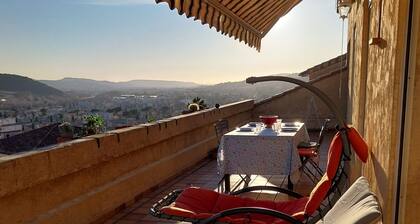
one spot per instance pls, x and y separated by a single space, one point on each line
9 127
31 140
7 121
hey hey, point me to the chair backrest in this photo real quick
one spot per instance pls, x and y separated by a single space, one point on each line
335 180
322 132
321 190
221 127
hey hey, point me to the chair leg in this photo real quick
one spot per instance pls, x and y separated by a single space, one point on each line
247 180
227 183
315 166
310 175
308 172
289 183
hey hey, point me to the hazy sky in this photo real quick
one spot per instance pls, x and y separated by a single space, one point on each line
122 40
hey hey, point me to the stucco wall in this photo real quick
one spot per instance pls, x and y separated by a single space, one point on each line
300 104
358 35
82 180
375 83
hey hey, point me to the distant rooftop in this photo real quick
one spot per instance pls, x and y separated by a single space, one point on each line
34 139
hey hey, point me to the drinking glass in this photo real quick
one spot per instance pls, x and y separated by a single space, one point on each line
258 128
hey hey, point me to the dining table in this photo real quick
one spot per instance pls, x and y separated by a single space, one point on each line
253 149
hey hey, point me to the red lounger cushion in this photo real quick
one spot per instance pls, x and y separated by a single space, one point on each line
359 144
321 189
334 155
317 195
197 203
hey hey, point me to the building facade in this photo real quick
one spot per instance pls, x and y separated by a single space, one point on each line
383 97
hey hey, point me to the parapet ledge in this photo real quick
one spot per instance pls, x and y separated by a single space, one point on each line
24 170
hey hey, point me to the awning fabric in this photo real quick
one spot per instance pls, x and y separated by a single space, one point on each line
246 20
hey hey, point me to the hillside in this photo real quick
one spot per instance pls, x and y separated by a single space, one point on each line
222 93
89 85
234 91
16 84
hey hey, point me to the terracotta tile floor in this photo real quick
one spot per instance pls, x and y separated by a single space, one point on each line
205 175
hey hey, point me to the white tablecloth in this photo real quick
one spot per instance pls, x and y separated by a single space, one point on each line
259 153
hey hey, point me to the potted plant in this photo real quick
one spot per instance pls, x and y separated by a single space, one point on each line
197 104
94 124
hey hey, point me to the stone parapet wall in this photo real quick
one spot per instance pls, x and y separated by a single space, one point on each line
326 68
83 180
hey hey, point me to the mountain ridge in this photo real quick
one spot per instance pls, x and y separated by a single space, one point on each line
91 85
12 83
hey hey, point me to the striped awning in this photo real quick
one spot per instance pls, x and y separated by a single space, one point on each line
246 20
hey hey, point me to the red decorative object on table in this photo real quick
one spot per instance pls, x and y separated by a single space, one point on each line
269 120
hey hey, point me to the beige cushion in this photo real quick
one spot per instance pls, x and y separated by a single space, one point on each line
357 206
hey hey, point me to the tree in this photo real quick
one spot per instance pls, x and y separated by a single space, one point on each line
196 105
200 103
151 119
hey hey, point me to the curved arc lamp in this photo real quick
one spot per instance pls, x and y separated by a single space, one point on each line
321 95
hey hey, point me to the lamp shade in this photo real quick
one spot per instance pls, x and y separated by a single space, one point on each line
343 11
343 8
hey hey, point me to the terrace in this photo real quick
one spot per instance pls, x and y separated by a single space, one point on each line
93 178
205 175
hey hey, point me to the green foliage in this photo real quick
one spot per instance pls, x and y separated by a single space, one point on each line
200 103
196 105
94 124
151 119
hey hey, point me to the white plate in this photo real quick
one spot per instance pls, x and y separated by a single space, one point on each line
290 124
268 132
245 129
289 129
253 124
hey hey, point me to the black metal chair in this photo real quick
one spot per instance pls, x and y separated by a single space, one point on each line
308 151
335 178
221 127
